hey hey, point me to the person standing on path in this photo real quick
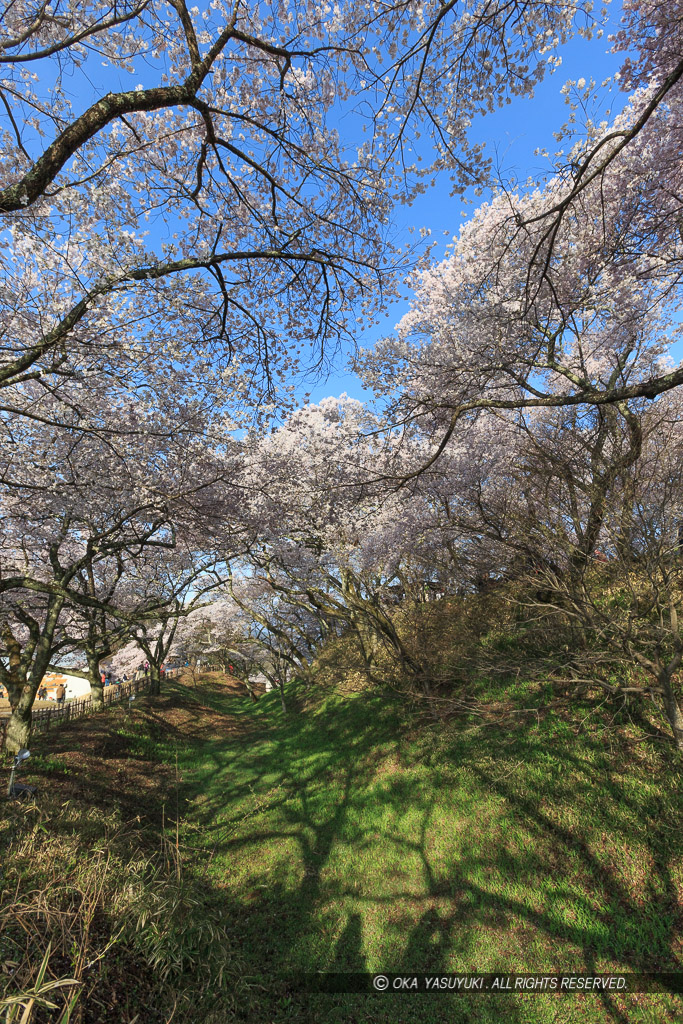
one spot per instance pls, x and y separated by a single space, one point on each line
61 693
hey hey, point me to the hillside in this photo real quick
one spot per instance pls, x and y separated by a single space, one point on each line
352 834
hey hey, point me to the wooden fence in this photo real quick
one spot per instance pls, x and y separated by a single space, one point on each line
43 719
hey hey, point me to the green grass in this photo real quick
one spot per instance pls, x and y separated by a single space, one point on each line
94 897
352 834
348 838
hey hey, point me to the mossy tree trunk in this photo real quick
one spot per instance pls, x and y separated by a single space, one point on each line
671 704
95 679
154 678
24 671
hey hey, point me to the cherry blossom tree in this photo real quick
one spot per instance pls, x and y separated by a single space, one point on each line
577 513
211 219
35 590
82 517
539 498
327 541
284 628
166 591
213 632
567 293
623 600
90 629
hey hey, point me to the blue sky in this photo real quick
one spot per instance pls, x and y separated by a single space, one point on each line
512 136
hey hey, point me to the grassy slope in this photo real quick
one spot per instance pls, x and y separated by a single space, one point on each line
345 838
349 836
91 880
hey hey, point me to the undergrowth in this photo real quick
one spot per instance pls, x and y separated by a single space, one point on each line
182 863
100 919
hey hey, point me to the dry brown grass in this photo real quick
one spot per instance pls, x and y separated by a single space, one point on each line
95 897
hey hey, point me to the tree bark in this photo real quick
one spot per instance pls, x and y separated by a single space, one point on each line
23 683
95 679
18 732
673 710
154 679
366 643
250 690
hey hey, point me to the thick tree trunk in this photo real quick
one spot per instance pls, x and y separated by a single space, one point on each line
22 685
154 680
95 679
18 732
673 710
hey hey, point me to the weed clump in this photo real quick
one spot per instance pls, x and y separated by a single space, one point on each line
101 920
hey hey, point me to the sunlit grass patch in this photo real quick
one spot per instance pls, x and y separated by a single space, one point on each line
361 843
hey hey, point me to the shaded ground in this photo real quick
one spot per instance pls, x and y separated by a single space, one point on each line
344 837
125 758
347 839
93 875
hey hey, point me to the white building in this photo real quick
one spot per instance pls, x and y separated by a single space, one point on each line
76 686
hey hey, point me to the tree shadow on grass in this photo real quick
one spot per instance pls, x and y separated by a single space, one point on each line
330 821
321 771
348 955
